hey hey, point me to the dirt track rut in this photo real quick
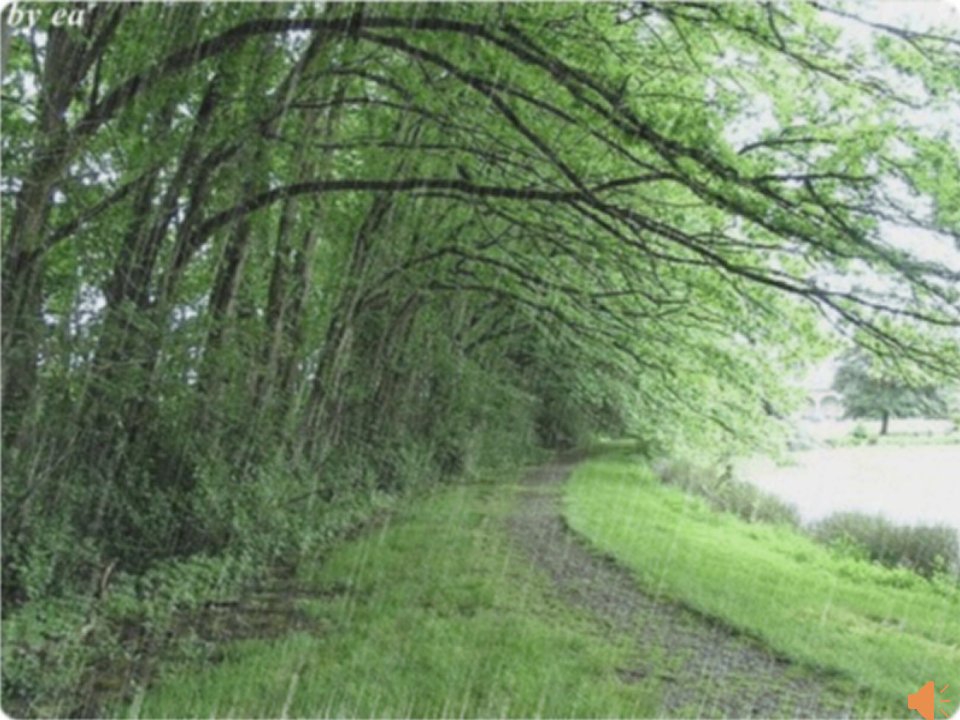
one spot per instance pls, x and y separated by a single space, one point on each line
705 669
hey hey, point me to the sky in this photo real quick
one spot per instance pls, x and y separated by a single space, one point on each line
919 13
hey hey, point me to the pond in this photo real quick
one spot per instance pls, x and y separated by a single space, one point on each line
908 485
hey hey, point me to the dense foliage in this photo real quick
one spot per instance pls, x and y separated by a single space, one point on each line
267 264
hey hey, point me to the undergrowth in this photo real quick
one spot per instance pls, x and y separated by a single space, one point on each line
70 648
431 615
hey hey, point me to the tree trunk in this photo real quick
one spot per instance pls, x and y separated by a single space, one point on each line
280 294
23 266
67 60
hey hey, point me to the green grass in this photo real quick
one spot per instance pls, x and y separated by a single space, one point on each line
886 631
433 615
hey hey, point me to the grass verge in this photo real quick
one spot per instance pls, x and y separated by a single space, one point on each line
431 615
887 631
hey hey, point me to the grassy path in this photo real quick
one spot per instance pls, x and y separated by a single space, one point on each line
479 601
704 669
883 632
433 614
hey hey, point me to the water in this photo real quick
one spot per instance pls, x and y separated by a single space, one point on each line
908 485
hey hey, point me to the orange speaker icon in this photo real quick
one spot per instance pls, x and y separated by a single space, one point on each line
923 701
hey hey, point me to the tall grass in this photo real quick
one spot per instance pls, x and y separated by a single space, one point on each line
727 494
926 549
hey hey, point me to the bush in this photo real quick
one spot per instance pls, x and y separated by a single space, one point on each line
71 649
727 494
68 656
859 434
926 549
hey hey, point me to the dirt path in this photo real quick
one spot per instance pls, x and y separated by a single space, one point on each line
706 670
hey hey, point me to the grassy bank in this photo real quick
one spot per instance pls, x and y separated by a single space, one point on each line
432 615
886 631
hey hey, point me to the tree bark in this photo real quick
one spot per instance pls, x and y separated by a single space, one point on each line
23 261
67 61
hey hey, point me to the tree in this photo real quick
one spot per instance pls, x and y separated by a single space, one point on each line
267 261
270 251
872 389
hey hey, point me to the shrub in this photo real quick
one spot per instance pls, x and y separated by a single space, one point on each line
859 434
68 656
754 505
727 494
926 549
71 649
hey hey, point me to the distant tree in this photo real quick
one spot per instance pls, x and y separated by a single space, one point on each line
872 389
